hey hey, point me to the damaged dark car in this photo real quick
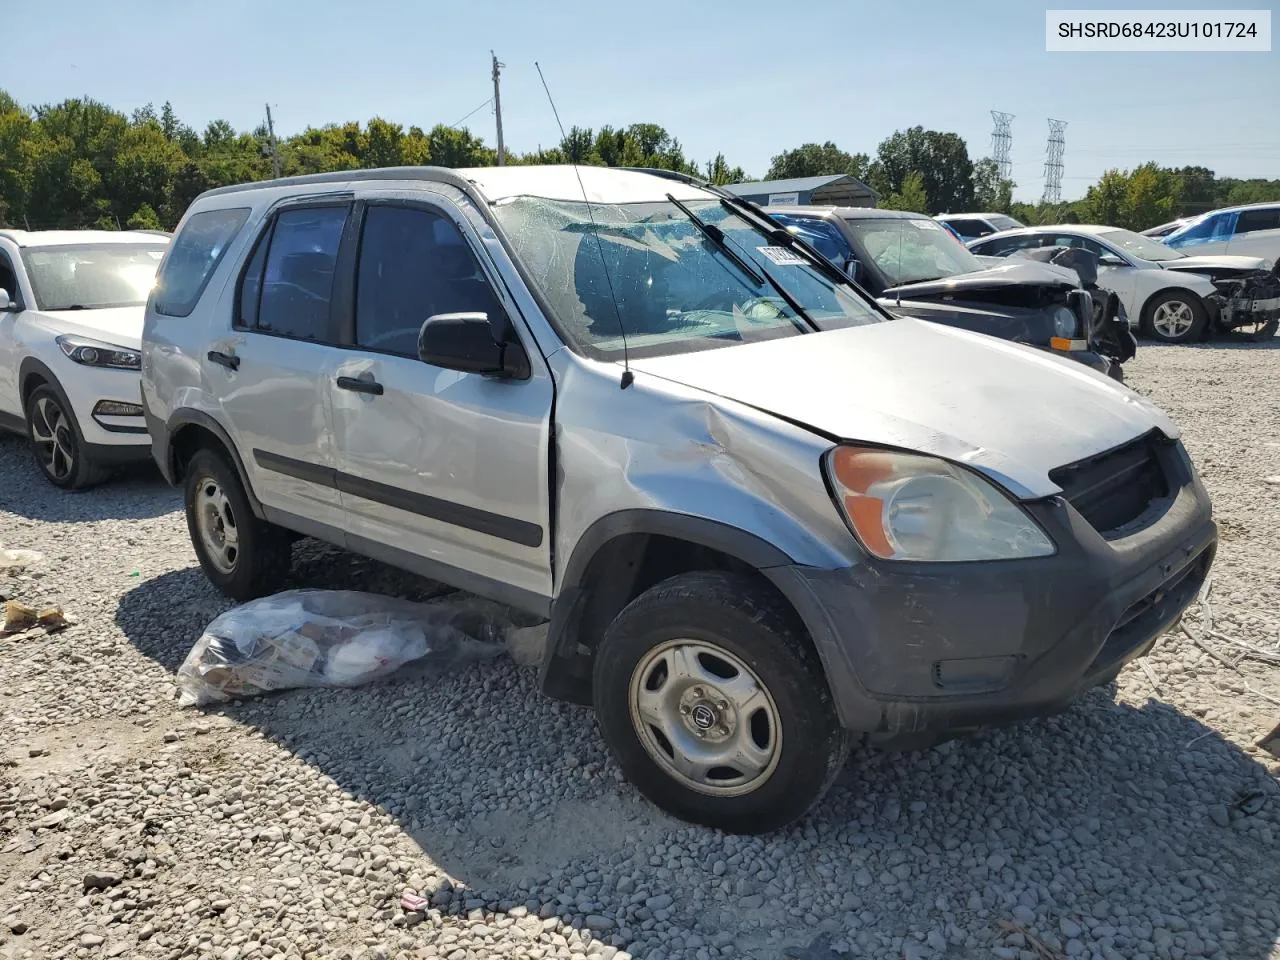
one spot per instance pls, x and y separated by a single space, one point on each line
914 268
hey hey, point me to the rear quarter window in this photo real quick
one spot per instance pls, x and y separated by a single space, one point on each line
193 256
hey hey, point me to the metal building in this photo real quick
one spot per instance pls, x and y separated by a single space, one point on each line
839 190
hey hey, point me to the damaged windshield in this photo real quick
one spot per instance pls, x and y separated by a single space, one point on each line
908 250
1139 246
667 281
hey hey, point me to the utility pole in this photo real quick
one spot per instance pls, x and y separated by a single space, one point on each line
271 142
497 106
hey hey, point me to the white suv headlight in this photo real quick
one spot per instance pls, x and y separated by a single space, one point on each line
95 353
904 506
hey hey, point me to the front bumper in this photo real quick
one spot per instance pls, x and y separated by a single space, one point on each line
915 649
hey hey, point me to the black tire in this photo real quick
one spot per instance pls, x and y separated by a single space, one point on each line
263 553
1190 334
58 444
747 621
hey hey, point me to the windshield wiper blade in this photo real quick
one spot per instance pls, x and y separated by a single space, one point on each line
782 237
716 236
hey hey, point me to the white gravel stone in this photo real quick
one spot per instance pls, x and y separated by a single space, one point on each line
290 826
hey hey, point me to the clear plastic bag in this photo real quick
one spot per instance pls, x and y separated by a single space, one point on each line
331 638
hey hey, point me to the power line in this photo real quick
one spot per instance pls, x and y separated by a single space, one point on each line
473 112
1053 162
1002 142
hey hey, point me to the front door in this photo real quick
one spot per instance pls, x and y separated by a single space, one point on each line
442 471
275 367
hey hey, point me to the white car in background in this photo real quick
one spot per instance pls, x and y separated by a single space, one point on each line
1168 295
973 226
71 305
1252 230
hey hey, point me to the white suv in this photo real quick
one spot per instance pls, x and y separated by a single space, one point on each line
71 305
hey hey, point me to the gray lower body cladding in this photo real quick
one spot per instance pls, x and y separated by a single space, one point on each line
912 649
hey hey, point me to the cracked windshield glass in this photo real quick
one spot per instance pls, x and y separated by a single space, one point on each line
910 251
672 287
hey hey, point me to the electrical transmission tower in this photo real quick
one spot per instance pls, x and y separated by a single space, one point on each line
1053 162
1001 142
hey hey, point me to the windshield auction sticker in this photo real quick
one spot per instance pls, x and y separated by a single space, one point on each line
782 256
1170 31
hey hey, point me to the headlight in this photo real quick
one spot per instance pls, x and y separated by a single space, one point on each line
1065 323
95 353
904 506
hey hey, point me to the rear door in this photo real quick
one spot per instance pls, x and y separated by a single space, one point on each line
441 471
273 371
11 415
1257 233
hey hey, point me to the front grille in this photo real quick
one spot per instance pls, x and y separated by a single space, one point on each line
1113 489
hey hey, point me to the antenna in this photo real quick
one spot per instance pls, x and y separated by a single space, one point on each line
627 376
271 142
1053 162
497 106
1001 142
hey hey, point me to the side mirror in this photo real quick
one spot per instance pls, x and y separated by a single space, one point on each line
1110 260
469 342
853 270
7 304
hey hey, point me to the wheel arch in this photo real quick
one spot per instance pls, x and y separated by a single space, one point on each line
189 430
623 554
33 372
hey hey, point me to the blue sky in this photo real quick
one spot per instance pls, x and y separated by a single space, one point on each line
748 78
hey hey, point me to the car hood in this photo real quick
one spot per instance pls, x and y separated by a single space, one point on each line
1005 275
121 326
1209 261
1007 410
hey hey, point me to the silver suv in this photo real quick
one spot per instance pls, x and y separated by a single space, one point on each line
763 517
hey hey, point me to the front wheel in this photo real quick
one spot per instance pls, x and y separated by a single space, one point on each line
1176 316
59 447
715 706
242 556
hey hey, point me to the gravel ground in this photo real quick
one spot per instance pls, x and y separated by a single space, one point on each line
1142 823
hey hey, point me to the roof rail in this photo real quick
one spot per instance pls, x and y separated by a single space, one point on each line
438 174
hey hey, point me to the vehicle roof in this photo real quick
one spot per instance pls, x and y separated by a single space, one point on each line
960 216
1088 228
550 181
62 238
1245 206
849 213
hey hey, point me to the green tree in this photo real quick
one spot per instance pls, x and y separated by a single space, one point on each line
941 159
911 197
817 160
1105 201
992 193
144 218
718 171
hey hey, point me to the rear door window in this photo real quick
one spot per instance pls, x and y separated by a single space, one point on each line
1251 221
292 274
193 256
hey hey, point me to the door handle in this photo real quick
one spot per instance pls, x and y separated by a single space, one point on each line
228 360
360 386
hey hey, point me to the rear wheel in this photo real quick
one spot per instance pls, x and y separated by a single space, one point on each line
58 445
242 556
715 706
1175 316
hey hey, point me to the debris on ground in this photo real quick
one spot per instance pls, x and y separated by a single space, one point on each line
330 638
18 618
1271 742
16 561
